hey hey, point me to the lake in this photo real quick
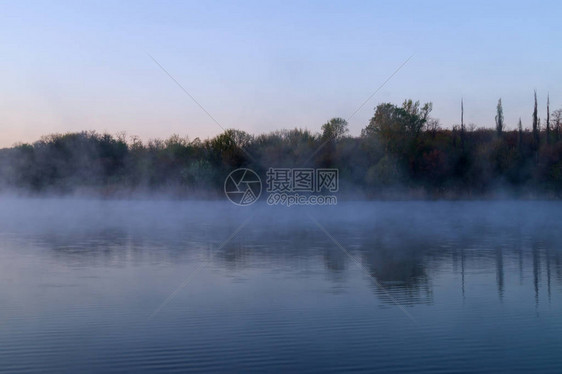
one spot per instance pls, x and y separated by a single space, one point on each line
175 286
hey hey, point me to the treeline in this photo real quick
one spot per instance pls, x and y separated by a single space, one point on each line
402 151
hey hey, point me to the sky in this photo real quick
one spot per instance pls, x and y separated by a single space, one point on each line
260 66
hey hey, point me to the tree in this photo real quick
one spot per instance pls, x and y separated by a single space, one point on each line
557 118
229 148
499 118
398 127
336 128
416 115
536 124
462 123
398 131
548 119
520 135
332 132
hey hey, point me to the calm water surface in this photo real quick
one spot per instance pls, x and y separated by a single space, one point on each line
112 286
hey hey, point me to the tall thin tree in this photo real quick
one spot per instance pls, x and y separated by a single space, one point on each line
462 122
557 119
520 136
499 118
548 119
536 123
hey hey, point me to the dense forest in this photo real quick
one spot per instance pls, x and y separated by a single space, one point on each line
402 152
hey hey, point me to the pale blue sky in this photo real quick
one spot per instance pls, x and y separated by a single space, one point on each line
260 66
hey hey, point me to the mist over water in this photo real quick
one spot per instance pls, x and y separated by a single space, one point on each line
112 285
